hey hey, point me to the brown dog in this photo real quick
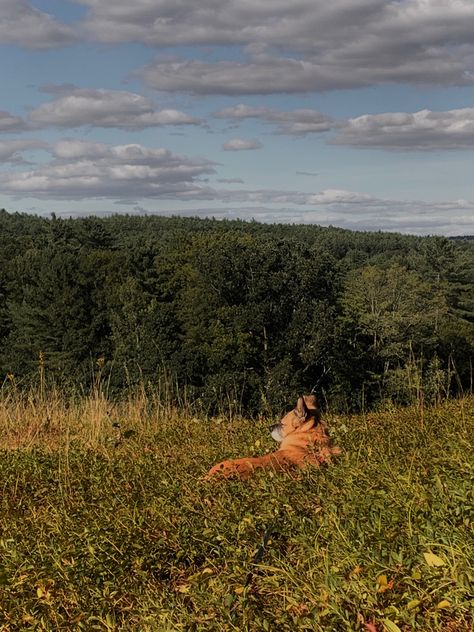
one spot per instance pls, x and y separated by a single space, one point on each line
304 441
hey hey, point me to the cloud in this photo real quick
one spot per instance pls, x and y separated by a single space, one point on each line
425 130
241 144
341 197
336 197
345 209
295 123
273 75
270 75
10 123
184 22
350 210
81 170
303 25
23 25
403 131
297 47
302 46
230 180
75 107
11 151
131 173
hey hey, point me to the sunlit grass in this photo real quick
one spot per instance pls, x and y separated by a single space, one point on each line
108 529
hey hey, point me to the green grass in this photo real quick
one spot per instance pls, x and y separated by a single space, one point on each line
101 537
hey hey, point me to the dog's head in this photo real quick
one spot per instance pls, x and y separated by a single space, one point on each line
306 410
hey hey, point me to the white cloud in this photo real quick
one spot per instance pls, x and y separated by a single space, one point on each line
22 24
295 123
241 144
75 107
81 170
95 170
424 130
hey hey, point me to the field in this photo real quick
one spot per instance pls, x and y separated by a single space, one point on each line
104 528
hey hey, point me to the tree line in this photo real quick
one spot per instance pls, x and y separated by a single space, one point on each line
235 315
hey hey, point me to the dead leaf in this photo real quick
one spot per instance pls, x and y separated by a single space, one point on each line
384 584
433 560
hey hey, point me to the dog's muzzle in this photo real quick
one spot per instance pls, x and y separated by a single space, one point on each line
276 432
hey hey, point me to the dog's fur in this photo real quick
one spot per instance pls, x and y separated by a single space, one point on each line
304 441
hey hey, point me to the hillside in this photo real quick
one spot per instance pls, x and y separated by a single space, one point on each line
235 316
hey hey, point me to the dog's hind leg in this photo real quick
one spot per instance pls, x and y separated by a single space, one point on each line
240 468
320 455
243 468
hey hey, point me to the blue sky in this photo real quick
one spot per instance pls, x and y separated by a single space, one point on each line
354 113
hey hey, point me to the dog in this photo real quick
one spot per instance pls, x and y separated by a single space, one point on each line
303 438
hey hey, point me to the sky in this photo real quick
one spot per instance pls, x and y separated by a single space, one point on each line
351 113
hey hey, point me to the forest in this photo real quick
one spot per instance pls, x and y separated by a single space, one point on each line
235 316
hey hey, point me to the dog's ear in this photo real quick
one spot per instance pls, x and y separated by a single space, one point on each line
311 401
301 408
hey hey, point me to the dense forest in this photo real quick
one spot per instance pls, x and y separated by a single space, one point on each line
235 315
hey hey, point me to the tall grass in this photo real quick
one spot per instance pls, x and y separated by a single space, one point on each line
106 523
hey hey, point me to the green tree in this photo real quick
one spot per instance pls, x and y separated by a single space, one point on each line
54 312
394 309
143 331
395 318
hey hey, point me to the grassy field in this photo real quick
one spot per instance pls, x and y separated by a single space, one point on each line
106 532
